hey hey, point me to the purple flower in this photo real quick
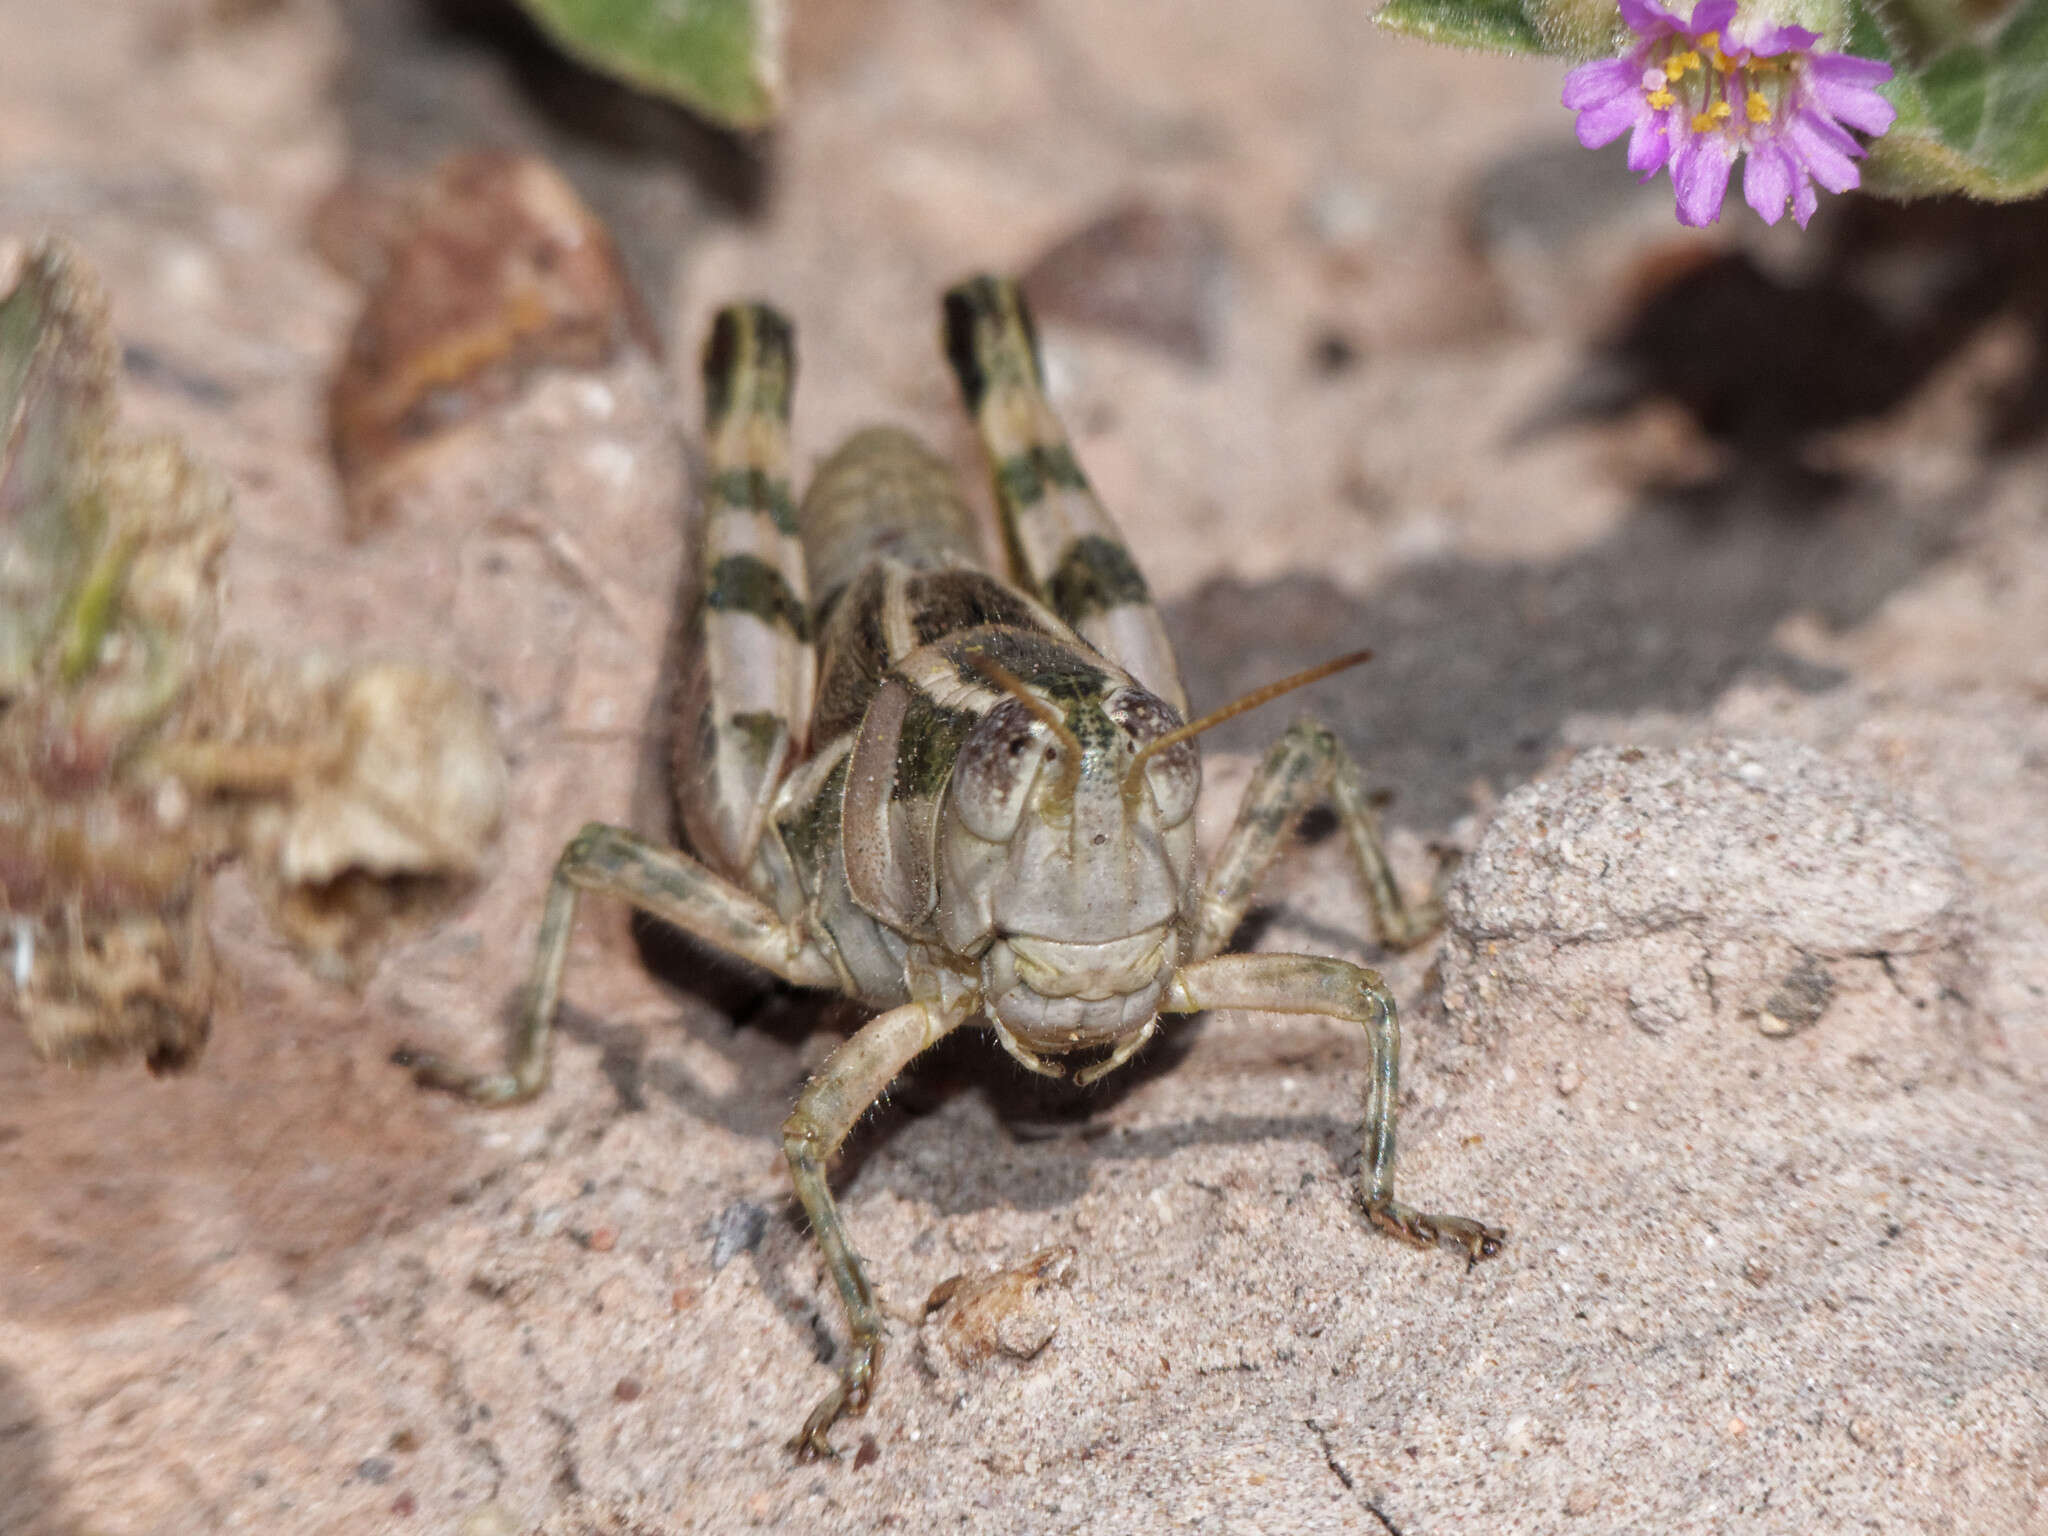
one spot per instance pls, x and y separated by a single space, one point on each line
1699 94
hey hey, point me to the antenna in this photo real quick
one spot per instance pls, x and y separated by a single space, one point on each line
1250 701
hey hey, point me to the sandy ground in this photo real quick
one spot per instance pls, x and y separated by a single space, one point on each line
1736 698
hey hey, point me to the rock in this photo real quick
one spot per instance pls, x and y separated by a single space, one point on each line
738 1230
1679 889
1154 274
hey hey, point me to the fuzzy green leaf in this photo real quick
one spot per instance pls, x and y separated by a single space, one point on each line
721 58
1972 99
1500 26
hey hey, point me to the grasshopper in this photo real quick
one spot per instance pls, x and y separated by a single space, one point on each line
951 795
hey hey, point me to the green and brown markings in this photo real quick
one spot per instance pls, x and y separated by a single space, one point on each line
749 584
753 489
749 367
747 692
1096 576
928 745
1025 479
1063 546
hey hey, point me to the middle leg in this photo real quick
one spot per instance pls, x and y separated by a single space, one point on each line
1302 766
614 862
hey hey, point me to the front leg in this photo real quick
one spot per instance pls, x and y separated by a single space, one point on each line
1302 766
614 862
1307 984
853 1077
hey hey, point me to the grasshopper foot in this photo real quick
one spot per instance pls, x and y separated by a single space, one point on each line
849 1395
1478 1240
438 1072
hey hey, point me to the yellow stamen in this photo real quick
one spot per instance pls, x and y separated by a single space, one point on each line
1758 109
1676 66
1710 39
1661 99
1705 122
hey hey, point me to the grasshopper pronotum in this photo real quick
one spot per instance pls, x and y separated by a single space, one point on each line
950 795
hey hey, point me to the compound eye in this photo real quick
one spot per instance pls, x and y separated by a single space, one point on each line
1174 777
997 765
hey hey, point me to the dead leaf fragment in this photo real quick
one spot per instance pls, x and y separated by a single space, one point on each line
370 797
493 271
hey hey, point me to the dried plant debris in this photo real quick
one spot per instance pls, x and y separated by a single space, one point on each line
368 794
1013 1312
135 759
494 270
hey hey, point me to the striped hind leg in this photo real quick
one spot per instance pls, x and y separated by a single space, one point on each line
1063 544
746 701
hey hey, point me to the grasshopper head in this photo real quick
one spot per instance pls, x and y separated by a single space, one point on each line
1048 837
1065 861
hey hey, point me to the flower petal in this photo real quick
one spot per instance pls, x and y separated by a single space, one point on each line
1648 19
1833 132
1612 118
1768 41
1603 79
1711 16
1848 68
1804 199
1816 142
1767 181
1650 147
1700 172
1848 101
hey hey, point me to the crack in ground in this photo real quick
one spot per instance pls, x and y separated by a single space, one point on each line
1330 1460
453 1392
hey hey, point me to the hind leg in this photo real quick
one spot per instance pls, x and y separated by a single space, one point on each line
1063 544
746 702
